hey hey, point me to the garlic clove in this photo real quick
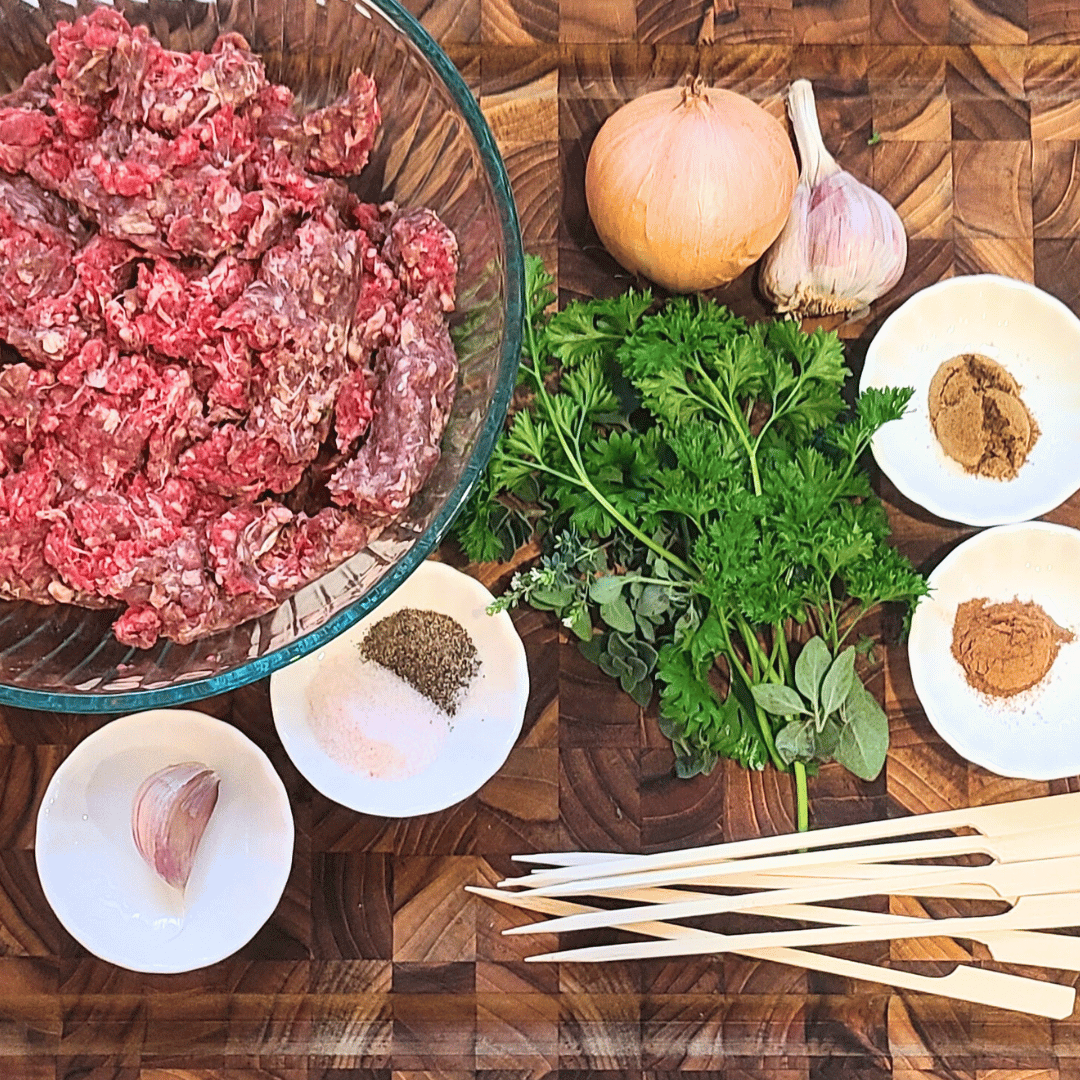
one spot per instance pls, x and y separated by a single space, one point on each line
169 815
843 245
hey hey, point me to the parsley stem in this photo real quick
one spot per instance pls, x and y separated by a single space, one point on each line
738 421
832 624
735 666
776 410
761 664
774 652
802 798
668 583
785 656
581 478
767 734
539 467
747 445
858 617
647 540
853 460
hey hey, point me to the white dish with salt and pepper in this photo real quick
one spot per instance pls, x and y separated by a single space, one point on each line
1034 735
96 881
1030 333
316 701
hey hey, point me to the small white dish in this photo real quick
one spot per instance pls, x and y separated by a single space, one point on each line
1034 735
1036 338
482 732
103 891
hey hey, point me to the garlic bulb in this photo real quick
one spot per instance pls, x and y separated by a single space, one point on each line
843 245
169 815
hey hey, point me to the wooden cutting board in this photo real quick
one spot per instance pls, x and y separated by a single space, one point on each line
376 962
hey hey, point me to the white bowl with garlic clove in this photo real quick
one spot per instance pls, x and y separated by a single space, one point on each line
1019 328
108 896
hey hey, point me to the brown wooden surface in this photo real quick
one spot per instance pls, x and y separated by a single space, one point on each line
376 962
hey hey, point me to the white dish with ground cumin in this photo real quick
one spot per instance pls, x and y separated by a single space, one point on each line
1000 680
398 745
996 438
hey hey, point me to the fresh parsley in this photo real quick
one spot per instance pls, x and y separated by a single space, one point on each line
697 486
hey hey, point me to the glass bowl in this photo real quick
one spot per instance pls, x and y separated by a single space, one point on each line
434 149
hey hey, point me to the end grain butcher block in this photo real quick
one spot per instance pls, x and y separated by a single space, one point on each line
377 962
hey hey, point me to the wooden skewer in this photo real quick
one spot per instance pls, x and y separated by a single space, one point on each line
1034 996
998 820
1053 842
831 872
1025 947
1010 881
1029 913
866 872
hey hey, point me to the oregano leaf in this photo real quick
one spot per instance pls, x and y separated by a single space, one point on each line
592 649
654 602
607 589
618 615
580 623
686 767
642 692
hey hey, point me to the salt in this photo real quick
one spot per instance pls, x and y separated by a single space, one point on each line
371 722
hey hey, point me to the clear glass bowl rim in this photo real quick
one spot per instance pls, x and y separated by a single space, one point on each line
514 273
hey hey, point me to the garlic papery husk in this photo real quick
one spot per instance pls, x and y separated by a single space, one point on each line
169 815
843 245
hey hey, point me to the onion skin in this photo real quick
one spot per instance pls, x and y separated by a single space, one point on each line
689 186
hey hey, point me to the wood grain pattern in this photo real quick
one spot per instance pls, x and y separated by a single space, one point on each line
917 179
897 22
377 965
992 189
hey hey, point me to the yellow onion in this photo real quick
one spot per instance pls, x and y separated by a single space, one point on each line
689 186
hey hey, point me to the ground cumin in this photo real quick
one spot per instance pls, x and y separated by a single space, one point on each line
978 417
1005 648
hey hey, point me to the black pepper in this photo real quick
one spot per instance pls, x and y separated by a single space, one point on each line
432 652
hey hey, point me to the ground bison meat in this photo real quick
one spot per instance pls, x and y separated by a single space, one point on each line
180 154
231 374
410 409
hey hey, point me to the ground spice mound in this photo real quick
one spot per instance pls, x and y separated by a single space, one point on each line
432 652
1005 649
978 417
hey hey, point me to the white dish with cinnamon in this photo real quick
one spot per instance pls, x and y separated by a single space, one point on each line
1027 332
970 675
392 745
109 899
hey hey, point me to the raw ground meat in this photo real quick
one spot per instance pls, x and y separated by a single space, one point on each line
216 339
180 154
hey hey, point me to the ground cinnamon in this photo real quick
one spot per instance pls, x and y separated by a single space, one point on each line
1005 648
978 417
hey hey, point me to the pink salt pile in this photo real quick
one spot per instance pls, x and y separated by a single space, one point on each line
372 723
